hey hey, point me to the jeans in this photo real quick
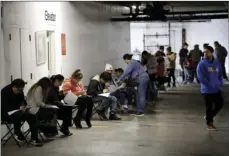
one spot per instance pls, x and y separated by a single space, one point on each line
110 101
141 93
20 116
187 75
123 94
209 99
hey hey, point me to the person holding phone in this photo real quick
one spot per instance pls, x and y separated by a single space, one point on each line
75 85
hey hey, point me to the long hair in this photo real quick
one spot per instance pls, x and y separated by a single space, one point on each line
45 83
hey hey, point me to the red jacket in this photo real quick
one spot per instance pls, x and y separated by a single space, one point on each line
160 69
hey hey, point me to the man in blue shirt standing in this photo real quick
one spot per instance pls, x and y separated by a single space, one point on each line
210 75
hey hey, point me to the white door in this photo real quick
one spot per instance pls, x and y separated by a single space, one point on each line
17 55
12 54
26 73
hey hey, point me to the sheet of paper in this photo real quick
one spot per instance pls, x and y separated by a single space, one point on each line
52 106
104 94
70 99
12 112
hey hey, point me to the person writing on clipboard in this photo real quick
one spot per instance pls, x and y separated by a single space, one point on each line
15 110
84 102
98 92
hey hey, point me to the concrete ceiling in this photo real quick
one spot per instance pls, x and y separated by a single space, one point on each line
186 9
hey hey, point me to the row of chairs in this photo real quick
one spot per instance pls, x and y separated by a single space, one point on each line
10 129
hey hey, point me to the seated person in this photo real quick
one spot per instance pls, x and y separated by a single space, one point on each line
96 87
119 91
12 98
160 74
46 113
123 93
64 112
84 102
187 71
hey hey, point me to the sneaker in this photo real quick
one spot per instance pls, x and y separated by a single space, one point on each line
131 112
102 116
36 143
139 114
88 122
205 118
114 117
66 132
20 138
212 127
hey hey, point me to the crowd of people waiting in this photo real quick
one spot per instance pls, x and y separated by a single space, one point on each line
44 103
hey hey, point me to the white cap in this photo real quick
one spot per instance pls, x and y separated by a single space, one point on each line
108 67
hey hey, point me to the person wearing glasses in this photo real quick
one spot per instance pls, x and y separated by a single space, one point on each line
15 110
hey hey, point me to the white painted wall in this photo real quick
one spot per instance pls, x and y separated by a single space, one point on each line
196 33
91 39
2 65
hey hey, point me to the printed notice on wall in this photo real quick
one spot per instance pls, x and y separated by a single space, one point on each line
63 44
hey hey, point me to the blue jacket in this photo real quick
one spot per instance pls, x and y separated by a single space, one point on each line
210 75
133 70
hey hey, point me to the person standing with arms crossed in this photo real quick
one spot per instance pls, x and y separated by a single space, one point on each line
210 75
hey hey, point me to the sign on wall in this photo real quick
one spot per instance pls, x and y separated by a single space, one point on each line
63 44
50 16
40 44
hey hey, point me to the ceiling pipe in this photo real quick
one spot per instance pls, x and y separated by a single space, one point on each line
178 18
187 12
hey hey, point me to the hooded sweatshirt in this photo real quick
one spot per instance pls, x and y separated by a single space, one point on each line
95 87
210 75
108 67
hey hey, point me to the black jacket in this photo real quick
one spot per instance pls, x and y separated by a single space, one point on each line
11 101
55 96
95 87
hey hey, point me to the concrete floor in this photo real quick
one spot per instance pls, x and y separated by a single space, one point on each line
175 127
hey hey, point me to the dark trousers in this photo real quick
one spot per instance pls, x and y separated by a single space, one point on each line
64 113
182 67
84 103
20 116
224 71
171 75
161 80
211 111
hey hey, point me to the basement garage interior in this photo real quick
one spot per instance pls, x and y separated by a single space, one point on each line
43 39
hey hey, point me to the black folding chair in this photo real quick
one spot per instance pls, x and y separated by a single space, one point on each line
10 133
95 107
26 133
